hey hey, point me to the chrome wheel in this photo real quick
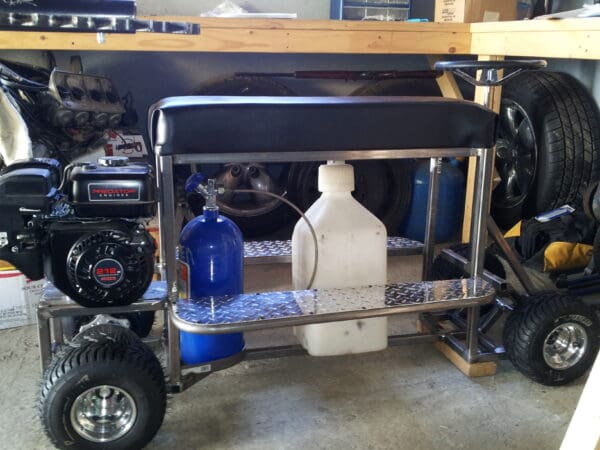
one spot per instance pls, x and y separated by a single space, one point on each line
516 155
565 346
103 413
248 176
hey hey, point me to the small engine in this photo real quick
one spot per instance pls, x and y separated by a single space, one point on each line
84 230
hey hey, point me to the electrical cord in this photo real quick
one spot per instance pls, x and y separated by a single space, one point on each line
16 85
299 211
7 73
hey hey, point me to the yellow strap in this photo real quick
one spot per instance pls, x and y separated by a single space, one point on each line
515 231
6 266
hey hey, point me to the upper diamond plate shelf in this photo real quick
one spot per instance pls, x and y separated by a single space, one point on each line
211 315
273 252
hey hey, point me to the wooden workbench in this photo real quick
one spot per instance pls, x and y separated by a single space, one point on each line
573 38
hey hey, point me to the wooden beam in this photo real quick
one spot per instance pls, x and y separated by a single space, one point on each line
477 369
446 82
569 38
264 36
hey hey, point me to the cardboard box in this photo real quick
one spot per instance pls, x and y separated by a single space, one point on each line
19 299
468 11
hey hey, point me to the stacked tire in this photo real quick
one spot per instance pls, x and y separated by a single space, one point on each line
548 148
383 187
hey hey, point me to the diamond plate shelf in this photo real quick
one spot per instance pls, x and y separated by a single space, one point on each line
54 303
213 315
275 252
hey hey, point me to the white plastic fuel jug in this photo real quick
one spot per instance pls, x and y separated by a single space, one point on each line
352 252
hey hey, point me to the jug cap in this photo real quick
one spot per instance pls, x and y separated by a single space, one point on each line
336 178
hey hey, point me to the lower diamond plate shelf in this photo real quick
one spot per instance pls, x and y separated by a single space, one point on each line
273 252
55 303
213 315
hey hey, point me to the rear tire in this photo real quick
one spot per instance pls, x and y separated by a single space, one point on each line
140 323
552 338
127 376
105 333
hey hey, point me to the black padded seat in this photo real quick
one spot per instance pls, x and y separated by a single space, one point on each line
191 125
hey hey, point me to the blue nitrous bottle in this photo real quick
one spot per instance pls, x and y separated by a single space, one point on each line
210 264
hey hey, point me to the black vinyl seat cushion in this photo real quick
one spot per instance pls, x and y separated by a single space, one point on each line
206 124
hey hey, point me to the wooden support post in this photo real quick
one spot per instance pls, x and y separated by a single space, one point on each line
446 82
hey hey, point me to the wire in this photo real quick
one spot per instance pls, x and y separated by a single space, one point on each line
7 73
28 87
299 211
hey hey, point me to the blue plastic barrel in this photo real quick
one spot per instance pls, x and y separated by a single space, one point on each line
450 206
211 264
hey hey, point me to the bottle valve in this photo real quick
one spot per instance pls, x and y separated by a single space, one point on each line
210 190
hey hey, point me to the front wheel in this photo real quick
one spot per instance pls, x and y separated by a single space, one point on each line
553 338
105 394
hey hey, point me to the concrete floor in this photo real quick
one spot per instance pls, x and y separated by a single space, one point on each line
404 397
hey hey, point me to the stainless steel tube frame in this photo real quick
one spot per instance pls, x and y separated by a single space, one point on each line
50 312
168 227
481 206
345 155
168 258
435 168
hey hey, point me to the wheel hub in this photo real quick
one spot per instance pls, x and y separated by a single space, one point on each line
103 413
516 152
248 176
565 346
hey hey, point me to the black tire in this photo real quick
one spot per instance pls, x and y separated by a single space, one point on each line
139 322
384 187
444 270
548 145
276 216
596 251
536 323
426 87
588 200
128 370
105 333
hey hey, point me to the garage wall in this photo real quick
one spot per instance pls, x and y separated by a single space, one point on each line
306 9
152 76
